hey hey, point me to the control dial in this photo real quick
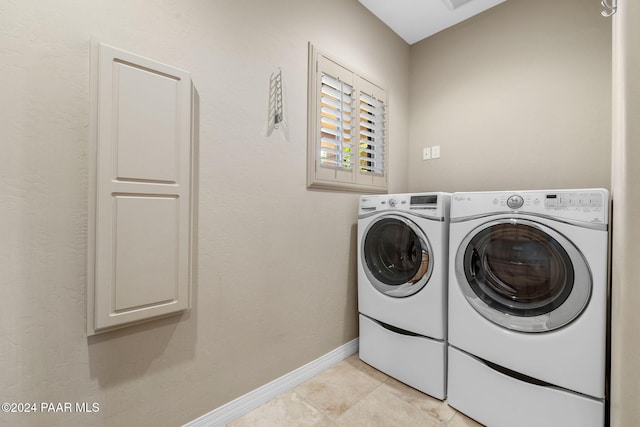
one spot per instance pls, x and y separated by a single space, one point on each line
515 202
393 203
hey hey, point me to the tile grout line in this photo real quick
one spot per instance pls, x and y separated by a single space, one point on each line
364 397
308 402
359 372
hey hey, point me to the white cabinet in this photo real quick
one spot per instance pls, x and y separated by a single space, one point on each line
140 191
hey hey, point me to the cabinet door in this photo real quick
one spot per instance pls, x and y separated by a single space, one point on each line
140 190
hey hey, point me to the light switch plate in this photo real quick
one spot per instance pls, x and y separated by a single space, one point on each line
435 152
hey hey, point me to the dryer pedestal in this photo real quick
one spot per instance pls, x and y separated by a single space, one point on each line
499 400
417 361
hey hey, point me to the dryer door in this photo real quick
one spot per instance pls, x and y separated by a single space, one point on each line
523 275
398 260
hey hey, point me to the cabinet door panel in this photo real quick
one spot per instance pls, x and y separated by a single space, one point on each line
146 251
147 113
140 194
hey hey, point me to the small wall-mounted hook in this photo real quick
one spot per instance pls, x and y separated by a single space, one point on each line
611 9
278 101
276 114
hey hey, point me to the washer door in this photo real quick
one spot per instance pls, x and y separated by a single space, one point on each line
522 275
398 260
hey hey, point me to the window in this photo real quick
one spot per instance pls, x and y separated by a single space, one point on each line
347 144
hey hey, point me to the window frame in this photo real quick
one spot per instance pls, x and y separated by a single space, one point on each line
325 177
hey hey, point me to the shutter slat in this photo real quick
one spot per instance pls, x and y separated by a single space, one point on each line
370 151
365 116
335 142
327 90
335 132
367 134
326 111
335 123
368 99
336 104
333 150
372 170
336 84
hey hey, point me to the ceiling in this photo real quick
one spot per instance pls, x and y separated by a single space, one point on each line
414 20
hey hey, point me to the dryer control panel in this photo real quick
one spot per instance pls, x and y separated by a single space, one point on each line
588 205
573 201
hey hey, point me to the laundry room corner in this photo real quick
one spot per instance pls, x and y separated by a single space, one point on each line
517 97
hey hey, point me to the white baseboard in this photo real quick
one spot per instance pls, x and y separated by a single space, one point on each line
248 402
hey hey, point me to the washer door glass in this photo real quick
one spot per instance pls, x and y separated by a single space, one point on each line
398 258
523 275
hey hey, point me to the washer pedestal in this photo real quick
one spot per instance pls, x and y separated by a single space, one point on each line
417 361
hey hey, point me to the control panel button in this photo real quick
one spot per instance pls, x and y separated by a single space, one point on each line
515 202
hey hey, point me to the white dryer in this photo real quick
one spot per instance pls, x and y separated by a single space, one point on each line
402 278
528 307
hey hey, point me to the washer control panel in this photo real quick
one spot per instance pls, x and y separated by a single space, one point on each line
424 204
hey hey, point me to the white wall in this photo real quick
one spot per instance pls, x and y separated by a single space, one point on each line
275 269
518 97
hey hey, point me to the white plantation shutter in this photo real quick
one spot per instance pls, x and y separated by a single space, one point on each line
347 128
336 147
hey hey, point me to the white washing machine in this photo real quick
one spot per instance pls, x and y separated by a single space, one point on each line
528 307
402 278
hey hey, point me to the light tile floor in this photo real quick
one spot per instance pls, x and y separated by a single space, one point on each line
353 394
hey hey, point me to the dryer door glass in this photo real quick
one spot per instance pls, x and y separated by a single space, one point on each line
523 275
397 255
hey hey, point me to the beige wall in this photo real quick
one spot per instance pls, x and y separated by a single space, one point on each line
275 267
625 366
518 97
